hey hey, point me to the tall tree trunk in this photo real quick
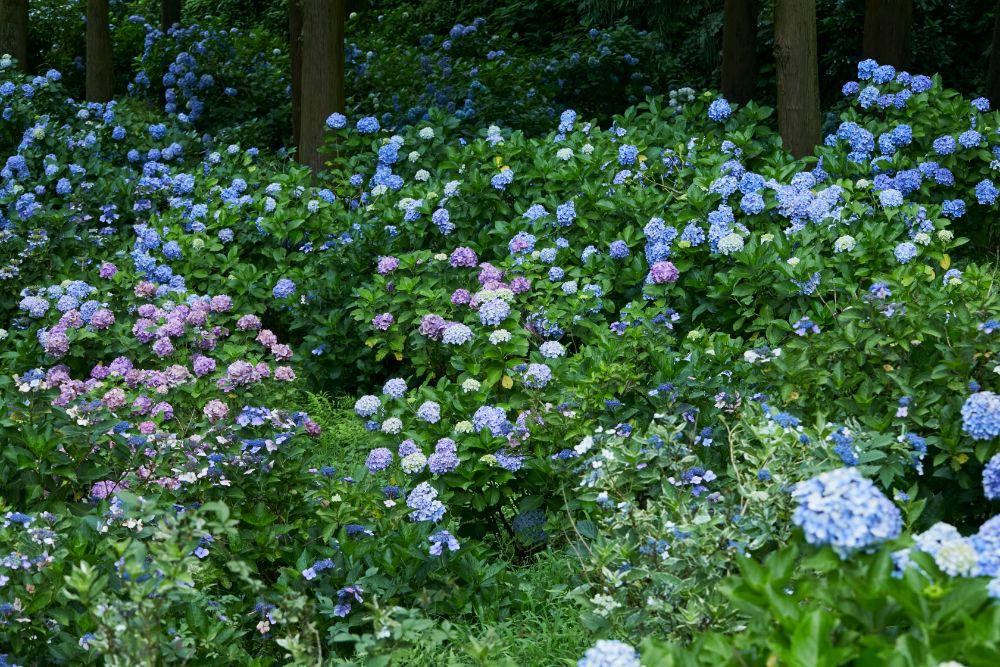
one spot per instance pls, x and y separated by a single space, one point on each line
993 76
100 74
14 31
295 48
798 75
739 51
322 74
170 13
888 24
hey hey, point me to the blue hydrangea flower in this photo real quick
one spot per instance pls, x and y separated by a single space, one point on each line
618 250
367 125
423 501
944 145
627 155
986 192
336 121
283 289
905 252
890 198
844 510
981 415
719 110
502 180
991 478
953 208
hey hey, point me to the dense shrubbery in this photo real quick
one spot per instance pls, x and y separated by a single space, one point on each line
658 356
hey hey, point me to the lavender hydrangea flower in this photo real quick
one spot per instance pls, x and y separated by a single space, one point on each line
537 376
378 459
430 412
663 272
440 540
394 388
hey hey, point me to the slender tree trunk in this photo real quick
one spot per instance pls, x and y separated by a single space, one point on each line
739 51
322 74
295 48
888 24
100 74
14 31
993 76
170 13
798 75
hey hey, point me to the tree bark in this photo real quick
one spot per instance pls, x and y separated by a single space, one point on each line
14 31
739 51
170 13
100 73
798 75
295 49
993 75
322 90
888 24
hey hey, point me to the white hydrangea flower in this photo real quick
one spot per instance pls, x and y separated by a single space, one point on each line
471 385
793 261
392 425
413 463
845 243
500 336
730 243
923 238
426 133
422 175
945 235
413 156
958 558
587 149
564 154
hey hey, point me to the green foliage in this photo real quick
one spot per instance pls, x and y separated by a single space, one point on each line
820 610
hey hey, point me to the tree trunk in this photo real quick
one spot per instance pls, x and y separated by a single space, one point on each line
888 24
100 74
322 74
993 77
295 49
170 13
14 31
739 51
798 75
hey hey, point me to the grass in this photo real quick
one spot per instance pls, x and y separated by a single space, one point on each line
535 623
539 625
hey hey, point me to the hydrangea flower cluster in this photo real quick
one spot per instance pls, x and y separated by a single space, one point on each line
844 510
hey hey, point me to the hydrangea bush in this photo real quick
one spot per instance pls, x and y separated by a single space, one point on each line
660 344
